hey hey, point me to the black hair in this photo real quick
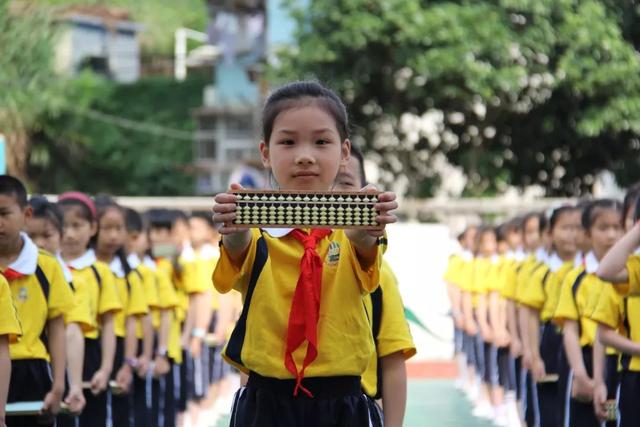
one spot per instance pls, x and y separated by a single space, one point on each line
177 215
501 232
295 94
160 218
514 224
558 212
205 216
630 200
103 204
44 209
12 186
542 220
357 153
133 220
482 230
595 208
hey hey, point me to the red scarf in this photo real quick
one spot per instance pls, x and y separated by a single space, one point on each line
10 274
305 307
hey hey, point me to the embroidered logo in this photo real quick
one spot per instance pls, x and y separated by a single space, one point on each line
22 295
334 253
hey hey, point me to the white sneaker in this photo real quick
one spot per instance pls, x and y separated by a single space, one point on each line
483 410
513 415
501 420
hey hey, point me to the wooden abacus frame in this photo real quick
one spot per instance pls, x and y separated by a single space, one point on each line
306 209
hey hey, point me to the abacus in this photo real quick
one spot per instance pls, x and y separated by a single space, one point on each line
30 408
612 410
298 209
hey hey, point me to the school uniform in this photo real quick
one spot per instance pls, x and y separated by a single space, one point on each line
96 280
40 293
542 295
9 323
451 277
464 281
81 315
619 308
529 392
163 297
142 387
484 274
390 332
280 382
177 354
576 303
131 292
508 277
198 265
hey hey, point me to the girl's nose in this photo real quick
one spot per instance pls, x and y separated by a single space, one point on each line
304 158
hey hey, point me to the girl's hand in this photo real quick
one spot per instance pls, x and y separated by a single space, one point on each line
582 389
75 400
124 378
99 382
538 369
386 205
600 401
51 404
224 211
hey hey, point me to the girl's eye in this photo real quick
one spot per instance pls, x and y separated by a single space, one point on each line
287 142
322 142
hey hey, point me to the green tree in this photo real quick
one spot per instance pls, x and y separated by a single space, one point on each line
517 92
133 139
27 83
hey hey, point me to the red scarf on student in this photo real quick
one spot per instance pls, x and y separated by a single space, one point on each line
305 307
10 274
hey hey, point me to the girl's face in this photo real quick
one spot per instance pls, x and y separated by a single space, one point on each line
514 238
488 244
305 150
564 234
44 234
77 231
113 234
531 233
137 242
469 238
605 231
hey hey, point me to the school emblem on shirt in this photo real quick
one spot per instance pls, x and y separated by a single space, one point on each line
334 253
22 294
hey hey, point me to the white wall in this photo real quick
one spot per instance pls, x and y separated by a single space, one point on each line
418 254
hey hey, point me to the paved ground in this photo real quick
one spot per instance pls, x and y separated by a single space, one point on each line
432 403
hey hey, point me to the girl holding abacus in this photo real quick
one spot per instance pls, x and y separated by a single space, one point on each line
303 335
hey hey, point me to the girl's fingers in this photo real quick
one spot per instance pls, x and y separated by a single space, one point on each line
223 198
236 186
224 217
386 206
386 219
224 208
387 197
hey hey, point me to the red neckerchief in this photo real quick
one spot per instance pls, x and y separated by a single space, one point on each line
305 306
10 274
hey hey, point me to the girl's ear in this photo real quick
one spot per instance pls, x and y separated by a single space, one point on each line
264 154
345 152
